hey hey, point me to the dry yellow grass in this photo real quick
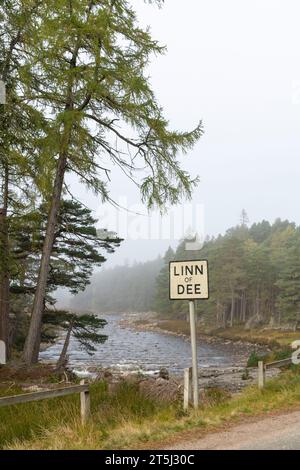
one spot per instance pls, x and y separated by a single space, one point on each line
127 421
272 338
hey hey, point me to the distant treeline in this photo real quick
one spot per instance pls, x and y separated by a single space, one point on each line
121 289
254 279
254 276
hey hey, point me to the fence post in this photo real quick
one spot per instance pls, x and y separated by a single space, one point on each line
261 374
85 404
187 389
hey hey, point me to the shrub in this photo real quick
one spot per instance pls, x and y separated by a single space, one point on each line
283 353
254 358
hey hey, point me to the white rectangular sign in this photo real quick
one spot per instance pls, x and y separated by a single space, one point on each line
188 280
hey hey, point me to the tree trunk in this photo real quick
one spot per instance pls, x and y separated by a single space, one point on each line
62 358
4 237
244 307
218 314
232 309
4 268
257 303
33 340
296 323
225 317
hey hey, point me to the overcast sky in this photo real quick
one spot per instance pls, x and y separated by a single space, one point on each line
234 64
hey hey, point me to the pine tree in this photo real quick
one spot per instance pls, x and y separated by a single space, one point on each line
288 301
77 249
84 328
88 61
258 275
162 302
253 277
244 219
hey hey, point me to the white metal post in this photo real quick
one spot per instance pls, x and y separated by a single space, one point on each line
194 354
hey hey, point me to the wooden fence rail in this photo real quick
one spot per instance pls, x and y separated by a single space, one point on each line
83 389
261 375
263 367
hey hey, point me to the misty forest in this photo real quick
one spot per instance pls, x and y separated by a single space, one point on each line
254 280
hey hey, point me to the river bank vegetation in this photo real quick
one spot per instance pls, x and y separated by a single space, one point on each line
275 339
125 419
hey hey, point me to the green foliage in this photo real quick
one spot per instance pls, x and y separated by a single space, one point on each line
253 280
79 101
87 66
276 355
77 248
289 281
162 302
126 420
254 277
283 353
215 396
85 328
254 359
108 410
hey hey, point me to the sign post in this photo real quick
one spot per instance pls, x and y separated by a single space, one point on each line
189 281
194 354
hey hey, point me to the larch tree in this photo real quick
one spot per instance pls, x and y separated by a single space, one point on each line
20 125
88 62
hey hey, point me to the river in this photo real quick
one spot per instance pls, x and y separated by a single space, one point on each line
127 350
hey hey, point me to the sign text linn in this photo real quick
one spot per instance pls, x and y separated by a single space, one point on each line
188 280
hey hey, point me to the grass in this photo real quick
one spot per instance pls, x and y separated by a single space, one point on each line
125 419
34 421
271 338
277 354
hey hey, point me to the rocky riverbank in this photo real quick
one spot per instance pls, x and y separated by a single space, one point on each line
140 345
169 388
230 379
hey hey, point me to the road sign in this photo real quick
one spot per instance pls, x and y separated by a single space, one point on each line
188 280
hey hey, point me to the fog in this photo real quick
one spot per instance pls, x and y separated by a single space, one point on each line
236 66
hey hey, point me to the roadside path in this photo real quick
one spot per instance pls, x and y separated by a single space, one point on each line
280 432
